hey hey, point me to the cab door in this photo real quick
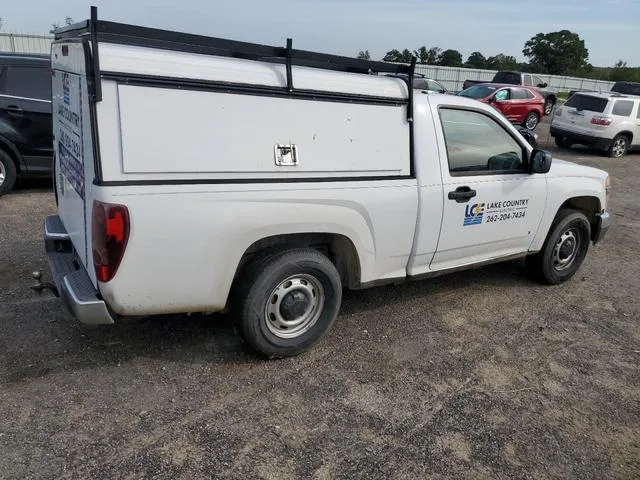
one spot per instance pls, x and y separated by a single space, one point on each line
25 105
492 206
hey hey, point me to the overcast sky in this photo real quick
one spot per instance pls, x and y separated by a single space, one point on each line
610 28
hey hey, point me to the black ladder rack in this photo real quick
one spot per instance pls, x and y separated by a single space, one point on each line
124 34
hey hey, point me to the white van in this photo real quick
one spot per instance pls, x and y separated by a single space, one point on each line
195 174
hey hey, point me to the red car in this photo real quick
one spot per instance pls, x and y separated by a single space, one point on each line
521 105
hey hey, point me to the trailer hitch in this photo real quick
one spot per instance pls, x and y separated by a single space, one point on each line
39 286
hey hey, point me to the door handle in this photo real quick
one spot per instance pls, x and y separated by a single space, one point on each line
14 110
462 194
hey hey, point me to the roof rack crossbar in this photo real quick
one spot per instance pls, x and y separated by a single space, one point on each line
120 33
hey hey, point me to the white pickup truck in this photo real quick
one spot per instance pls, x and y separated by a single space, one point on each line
196 174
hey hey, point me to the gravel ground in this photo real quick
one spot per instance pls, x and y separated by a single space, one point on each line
481 374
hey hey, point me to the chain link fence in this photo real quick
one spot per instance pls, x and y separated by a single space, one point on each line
453 77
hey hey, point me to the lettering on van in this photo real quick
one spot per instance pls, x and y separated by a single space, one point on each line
68 132
72 118
492 212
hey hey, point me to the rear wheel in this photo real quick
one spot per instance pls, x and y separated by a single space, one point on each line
618 147
564 250
8 173
531 120
284 303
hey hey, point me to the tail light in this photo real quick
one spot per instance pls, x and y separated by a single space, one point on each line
602 121
109 236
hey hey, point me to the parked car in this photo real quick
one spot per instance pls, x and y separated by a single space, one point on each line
606 121
627 88
335 189
522 106
26 140
421 82
522 79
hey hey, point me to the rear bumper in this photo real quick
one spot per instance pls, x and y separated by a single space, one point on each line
602 227
581 139
74 286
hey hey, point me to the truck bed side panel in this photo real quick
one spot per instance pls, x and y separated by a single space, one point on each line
194 236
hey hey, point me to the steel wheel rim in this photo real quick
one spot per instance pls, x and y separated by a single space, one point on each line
548 108
619 147
3 173
294 306
566 249
531 122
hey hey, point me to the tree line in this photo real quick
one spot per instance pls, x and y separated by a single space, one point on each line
555 53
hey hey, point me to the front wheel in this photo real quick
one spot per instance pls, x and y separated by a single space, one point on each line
548 106
564 250
284 303
531 120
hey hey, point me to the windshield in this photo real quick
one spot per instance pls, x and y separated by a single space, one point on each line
478 91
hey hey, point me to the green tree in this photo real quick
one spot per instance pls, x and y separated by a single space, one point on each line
476 60
428 55
364 55
622 72
395 55
450 58
557 53
502 62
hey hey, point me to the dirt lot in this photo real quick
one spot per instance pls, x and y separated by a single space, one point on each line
483 374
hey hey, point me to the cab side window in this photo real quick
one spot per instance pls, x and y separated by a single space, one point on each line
27 82
478 145
527 80
502 95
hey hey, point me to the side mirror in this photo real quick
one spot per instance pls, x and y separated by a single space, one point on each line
540 161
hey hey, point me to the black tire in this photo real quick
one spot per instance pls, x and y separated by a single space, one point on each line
619 147
549 103
545 265
563 142
531 121
256 292
8 173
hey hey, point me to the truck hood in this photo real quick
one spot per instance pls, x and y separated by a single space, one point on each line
563 168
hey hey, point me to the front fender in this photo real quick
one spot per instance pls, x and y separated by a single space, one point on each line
560 190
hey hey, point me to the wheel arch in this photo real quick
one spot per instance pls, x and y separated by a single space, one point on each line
590 206
628 134
339 248
10 149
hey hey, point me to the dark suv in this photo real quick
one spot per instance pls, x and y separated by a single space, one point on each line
26 138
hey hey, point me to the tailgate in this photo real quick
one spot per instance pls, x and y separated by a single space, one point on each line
579 110
73 145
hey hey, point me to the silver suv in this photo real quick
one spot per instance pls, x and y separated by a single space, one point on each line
607 121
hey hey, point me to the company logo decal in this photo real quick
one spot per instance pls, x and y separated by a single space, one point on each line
473 214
